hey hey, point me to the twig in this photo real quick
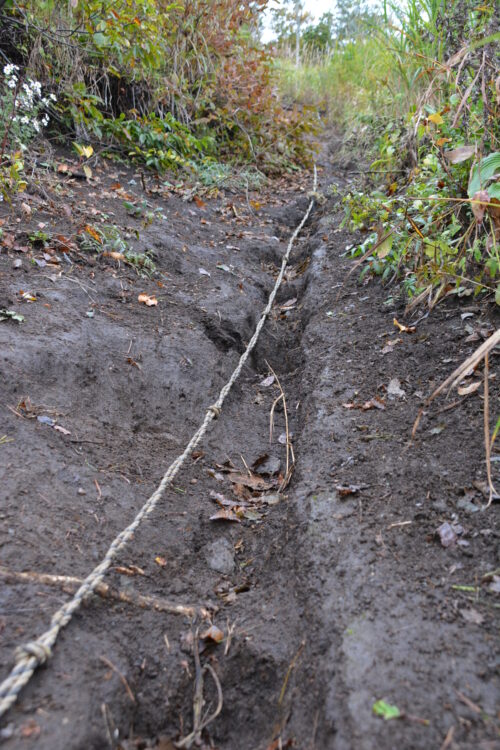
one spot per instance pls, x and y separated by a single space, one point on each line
487 445
199 723
122 677
289 672
289 447
70 584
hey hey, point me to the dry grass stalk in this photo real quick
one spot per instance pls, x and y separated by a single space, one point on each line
70 584
201 722
453 380
290 455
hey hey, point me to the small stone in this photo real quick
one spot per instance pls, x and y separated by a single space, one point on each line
17 263
81 491
220 556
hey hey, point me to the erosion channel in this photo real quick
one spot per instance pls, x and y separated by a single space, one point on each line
330 595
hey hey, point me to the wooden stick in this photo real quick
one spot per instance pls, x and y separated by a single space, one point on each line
70 584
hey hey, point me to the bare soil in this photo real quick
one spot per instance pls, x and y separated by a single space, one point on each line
331 595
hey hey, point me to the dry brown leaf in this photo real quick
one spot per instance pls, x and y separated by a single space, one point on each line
225 515
146 299
458 155
478 206
213 633
63 430
464 390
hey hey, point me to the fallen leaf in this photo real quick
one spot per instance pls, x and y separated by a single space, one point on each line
251 480
472 615
146 299
203 272
225 515
93 233
386 710
394 389
63 430
31 729
267 382
213 633
46 420
289 304
403 328
344 490
446 534
199 202
464 390
160 561
390 344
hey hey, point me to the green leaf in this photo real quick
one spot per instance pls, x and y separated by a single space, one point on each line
494 190
386 710
484 171
497 295
12 315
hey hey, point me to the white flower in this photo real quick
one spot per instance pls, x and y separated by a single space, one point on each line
53 97
12 83
25 120
36 126
45 121
9 69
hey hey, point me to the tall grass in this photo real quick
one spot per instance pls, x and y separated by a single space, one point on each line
419 86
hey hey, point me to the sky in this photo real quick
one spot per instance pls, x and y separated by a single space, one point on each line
315 7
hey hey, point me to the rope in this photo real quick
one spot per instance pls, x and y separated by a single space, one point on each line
31 655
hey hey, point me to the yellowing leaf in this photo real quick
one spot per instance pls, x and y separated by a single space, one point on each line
402 328
146 299
93 233
436 118
385 248
441 141
87 171
160 561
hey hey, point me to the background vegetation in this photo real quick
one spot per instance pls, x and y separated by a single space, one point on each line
170 84
416 87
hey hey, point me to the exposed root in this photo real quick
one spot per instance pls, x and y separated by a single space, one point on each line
70 584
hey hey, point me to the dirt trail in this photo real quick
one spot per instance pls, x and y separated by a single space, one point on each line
331 596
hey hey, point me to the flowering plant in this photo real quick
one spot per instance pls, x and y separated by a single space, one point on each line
23 108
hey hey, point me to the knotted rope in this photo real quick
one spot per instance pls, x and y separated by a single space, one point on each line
35 653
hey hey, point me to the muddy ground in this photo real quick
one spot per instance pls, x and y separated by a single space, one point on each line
331 595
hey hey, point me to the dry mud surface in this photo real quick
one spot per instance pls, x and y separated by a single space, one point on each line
330 596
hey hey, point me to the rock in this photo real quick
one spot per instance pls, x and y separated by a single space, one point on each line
220 556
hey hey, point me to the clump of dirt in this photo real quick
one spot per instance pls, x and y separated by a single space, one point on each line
326 595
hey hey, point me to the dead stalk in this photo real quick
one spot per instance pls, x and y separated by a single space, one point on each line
201 722
469 365
122 677
487 444
290 455
70 584
289 671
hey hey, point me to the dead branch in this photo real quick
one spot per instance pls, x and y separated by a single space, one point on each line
70 585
